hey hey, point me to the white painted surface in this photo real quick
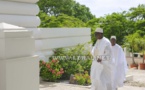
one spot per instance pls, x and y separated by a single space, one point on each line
42 33
15 43
22 73
17 33
17 8
2 75
60 42
20 12
27 1
129 78
12 31
44 54
18 47
47 39
20 20
2 48
19 74
9 27
19 69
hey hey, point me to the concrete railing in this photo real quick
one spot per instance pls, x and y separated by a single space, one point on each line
47 39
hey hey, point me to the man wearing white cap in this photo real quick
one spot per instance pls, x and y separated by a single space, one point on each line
102 65
120 67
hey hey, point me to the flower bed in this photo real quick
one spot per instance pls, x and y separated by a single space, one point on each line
50 71
60 68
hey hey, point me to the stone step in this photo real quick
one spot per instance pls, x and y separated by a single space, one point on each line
129 78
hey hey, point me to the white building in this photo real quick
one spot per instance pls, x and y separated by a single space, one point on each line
20 40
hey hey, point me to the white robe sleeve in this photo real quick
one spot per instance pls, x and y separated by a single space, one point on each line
108 55
92 52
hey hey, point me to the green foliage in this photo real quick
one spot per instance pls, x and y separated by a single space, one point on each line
55 7
142 43
120 24
137 17
68 7
82 12
61 20
50 71
142 46
93 24
137 13
74 60
135 42
114 24
68 13
132 41
82 78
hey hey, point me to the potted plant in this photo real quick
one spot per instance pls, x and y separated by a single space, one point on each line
131 42
142 46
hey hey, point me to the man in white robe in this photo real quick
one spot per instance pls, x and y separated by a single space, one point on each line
102 64
120 68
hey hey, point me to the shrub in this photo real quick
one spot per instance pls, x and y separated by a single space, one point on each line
82 78
75 65
50 71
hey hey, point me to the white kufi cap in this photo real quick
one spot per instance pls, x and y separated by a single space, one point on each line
113 37
100 30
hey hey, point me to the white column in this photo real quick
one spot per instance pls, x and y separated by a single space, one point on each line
19 68
20 13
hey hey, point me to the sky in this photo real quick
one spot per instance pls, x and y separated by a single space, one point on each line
104 7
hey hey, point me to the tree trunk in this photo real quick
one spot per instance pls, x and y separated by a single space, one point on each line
143 56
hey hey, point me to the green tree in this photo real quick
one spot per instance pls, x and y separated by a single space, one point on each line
68 7
93 24
142 45
56 7
60 21
132 42
137 16
113 24
137 13
82 12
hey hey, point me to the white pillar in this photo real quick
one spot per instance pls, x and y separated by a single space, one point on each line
19 68
20 13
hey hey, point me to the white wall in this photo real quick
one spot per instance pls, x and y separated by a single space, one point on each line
47 39
23 13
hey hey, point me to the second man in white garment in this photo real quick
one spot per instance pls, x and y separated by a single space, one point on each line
120 67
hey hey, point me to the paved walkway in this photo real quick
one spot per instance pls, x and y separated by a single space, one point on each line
64 86
131 88
137 74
